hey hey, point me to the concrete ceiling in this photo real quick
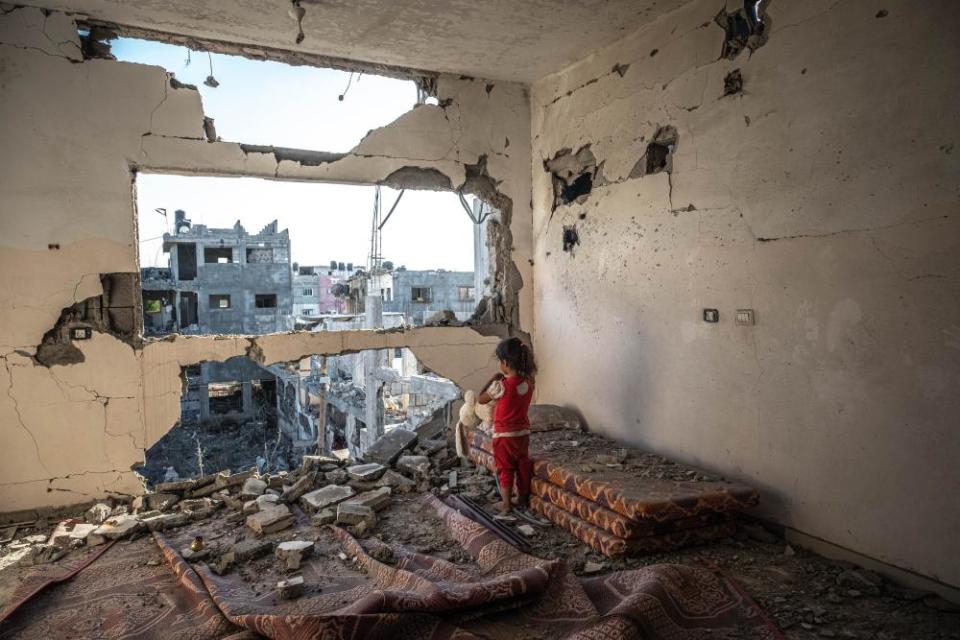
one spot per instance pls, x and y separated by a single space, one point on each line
519 40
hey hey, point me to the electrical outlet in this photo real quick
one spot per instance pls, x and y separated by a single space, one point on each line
744 317
711 315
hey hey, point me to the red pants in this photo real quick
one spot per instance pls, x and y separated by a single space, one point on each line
511 455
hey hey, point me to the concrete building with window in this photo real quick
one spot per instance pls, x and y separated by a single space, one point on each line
222 280
420 294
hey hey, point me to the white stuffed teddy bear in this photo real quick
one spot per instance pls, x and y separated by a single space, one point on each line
473 415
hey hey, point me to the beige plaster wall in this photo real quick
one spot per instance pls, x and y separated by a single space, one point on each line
825 197
72 134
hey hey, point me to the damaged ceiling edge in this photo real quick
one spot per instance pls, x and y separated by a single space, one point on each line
255 51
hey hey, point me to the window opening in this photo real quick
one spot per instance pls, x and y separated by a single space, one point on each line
266 301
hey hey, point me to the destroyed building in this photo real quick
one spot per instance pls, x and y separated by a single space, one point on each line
313 291
220 281
730 232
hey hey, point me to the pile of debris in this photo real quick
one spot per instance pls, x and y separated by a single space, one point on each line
325 489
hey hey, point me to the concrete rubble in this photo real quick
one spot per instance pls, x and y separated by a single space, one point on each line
279 532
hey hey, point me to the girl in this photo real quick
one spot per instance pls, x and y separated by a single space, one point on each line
513 390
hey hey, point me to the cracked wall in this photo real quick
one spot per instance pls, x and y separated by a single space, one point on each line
822 193
75 132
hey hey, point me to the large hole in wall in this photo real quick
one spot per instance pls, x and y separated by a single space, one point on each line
574 174
745 28
240 413
272 103
251 256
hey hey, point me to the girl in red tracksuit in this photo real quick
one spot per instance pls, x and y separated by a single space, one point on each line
512 388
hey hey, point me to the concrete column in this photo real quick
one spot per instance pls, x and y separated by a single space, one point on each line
373 411
246 397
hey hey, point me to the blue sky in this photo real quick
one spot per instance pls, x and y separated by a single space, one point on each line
272 103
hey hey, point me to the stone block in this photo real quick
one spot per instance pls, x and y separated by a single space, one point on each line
271 520
252 488
249 549
354 514
290 588
388 447
325 497
338 476
165 521
324 517
292 553
377 499
366 472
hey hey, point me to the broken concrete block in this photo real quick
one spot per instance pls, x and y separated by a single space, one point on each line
70 531
418 466
526 530
117 527
324 517
98 513
338 476
177 486
249 549
292 553
396 481
276 518
232 502
293 492
252 488
275 481
43 554
290 588
354 514
325 497
94 539
376 499
319 463
164 521
162 501
202 491
223 481
366 472
388 447
193 504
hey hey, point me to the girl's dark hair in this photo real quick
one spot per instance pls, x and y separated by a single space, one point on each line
517 356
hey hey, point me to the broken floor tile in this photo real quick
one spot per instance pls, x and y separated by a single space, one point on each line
366 472
325 497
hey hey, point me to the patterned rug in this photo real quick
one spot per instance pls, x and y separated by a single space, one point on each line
388 592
